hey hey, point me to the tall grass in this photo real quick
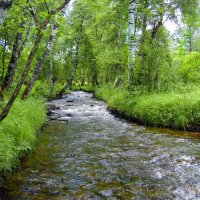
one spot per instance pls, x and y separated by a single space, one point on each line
17 131
174 110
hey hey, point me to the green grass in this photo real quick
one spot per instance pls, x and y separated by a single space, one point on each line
17 131
174 110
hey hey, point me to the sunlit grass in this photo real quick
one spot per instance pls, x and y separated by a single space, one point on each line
17 131
175 110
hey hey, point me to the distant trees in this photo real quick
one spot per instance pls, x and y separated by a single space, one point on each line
151 40
76 58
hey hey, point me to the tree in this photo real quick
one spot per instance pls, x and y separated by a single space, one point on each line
148 20
41 27
18 47
76 60
132 25
39 65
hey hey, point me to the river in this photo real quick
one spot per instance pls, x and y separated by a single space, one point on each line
87 153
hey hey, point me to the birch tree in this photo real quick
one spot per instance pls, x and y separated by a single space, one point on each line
39 65
18 47
41 27
131 37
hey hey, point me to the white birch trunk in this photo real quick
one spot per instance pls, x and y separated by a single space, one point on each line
131 37
3 13
50 46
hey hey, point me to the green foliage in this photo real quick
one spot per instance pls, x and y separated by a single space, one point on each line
18 131
153 69
103 51
86 88
190 67
42 88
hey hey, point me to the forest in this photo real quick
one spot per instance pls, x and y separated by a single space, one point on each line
140 56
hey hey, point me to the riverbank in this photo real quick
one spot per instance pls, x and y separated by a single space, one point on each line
177 110
93 155
18 132
171 110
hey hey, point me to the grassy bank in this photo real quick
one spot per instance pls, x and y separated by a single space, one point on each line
18 131
174 110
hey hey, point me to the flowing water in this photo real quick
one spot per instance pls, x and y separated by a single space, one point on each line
87 153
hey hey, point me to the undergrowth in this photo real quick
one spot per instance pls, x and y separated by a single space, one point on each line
17 131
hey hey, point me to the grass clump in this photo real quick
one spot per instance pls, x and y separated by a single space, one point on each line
174 110
17 131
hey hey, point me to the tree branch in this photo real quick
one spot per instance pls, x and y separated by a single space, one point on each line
35 16
50 14
53 12
47 6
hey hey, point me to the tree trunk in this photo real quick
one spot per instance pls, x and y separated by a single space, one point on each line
8 106
131 38
16 53
40 63
142 78
83 76
52 77
3 60
95 80
13 61
3 69
26 38
157 27
69 82
52 87
76 60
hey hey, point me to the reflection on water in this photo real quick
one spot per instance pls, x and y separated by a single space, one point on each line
89 154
